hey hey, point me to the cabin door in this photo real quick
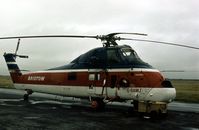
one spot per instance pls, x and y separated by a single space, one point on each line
95 87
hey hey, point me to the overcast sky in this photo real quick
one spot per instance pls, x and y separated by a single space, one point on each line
165 20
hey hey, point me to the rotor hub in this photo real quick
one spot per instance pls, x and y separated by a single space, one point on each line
108 40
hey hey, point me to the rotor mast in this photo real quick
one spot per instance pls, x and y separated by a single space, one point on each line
108 41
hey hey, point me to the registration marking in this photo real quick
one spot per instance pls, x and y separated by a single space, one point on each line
36 78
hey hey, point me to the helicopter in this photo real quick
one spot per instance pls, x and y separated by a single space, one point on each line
111 73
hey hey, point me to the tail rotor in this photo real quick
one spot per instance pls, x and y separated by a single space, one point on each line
17 48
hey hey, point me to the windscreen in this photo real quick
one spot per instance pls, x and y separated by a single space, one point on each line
132 58
130 55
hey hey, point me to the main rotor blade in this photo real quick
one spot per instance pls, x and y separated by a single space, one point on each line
160 42
172 71
113 34
49 36
71 36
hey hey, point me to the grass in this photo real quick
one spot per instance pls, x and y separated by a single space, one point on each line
6 82
187 90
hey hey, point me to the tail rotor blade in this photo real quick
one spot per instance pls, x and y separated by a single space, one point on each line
17 46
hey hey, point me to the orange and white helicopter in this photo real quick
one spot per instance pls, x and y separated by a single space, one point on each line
109 73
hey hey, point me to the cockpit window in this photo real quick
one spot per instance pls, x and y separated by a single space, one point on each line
131 57
95 58
129 54
126 52
113 57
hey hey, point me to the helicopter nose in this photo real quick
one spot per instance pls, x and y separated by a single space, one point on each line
170 94
162 94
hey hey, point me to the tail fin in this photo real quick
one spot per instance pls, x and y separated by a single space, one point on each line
12 66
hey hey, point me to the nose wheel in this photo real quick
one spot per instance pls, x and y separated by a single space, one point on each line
26 96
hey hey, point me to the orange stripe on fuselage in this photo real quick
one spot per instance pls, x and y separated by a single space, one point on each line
136 79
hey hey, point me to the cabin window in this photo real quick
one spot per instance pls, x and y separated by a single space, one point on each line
124 83
94 77
72 76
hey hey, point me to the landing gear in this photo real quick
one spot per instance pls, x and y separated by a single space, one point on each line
26 96
97 104
153 110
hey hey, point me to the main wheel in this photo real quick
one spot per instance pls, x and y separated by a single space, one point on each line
26 97
98 104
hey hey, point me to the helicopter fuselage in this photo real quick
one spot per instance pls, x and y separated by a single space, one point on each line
106 72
